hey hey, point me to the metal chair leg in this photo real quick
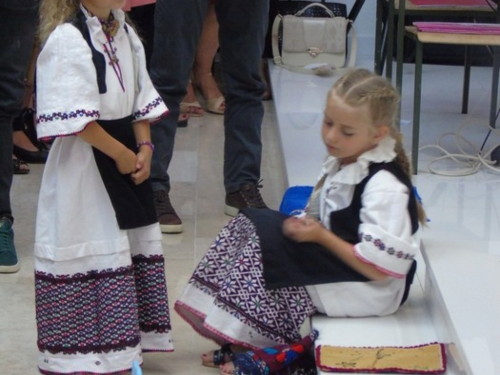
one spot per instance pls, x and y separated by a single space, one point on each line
416 107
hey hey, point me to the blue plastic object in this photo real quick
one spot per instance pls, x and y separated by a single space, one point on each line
295 198
136 369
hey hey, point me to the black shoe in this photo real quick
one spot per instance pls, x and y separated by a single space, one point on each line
169 221
247 196
34 157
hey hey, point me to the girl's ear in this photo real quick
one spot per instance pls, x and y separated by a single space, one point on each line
380 132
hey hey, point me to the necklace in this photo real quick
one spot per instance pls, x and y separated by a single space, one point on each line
113 61
110 28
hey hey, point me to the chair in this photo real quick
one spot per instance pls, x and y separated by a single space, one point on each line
387 10
422 37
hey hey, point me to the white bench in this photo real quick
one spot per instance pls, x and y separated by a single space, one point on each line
299 102
462 293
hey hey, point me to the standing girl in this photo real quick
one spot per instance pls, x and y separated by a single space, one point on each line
351 255
101 297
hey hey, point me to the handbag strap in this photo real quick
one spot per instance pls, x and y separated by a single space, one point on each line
312 5
323 70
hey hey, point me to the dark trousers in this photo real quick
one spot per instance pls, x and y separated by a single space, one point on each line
242 30
18 22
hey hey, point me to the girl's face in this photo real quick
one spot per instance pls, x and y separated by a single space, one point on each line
102 8
349 132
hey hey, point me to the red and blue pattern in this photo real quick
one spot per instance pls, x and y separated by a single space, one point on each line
151 292
379 244
101 311
59 116
148 108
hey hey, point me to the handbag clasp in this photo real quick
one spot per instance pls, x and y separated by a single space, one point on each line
314 51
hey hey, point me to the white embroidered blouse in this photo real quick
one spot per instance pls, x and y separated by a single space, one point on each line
69 96
386 239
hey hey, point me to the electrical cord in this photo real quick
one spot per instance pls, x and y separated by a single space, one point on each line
470 162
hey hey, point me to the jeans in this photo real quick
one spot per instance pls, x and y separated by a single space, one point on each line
18 22
242 30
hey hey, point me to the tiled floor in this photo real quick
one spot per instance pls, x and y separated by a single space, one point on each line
464 211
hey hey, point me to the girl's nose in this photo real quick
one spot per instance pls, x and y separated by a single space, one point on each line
332 134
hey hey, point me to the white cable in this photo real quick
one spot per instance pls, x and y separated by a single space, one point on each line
471 162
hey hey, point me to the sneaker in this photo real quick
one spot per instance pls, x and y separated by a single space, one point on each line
8 257
169 221
247 196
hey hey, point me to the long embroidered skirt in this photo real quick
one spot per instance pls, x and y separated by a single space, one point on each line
101 296
226 299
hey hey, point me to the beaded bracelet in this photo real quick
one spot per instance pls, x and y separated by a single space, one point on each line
146 143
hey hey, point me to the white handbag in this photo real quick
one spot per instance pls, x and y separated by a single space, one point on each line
312 45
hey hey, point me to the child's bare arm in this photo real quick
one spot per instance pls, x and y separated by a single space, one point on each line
124 158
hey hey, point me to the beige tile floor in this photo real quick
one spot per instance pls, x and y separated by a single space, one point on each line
198 196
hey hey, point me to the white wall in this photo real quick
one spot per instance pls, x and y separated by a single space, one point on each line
365 27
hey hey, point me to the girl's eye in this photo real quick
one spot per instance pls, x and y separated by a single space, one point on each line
347 133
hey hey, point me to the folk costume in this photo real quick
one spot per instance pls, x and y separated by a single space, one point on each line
255 287
101 295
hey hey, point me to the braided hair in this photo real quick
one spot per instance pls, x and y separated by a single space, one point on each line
360 87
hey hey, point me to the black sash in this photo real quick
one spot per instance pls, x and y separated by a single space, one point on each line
133 204
290 263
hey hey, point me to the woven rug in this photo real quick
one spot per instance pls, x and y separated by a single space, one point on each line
422 359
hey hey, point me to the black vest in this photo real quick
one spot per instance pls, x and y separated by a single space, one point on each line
288 263
80 22
345 223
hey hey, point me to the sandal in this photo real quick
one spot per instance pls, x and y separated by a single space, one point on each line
19 166
190 104
182 120
217 103
192 108
219 356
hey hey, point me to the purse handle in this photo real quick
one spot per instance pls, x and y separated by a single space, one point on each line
319 5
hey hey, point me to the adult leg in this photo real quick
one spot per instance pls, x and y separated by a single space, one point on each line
178 25
17 28
202 69
242 30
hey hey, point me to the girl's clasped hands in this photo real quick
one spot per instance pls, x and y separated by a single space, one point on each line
303 228
138 166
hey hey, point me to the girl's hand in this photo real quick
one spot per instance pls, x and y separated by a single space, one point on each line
143 165
304 229
126 161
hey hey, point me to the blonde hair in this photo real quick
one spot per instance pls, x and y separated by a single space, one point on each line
360 87
54 13
57 12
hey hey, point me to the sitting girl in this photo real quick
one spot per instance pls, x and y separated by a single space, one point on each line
350 255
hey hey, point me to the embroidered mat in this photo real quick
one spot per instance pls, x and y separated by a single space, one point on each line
423 359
